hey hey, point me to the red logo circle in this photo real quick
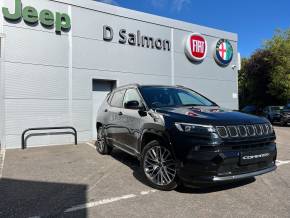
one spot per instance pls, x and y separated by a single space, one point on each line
196 47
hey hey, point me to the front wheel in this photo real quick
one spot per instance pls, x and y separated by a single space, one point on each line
101 143
158 166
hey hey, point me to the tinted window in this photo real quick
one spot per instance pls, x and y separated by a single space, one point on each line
132 95
170 96
117 98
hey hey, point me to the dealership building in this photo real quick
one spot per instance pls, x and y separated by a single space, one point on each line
59 59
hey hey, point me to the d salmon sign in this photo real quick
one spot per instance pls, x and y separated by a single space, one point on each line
223 53
196 47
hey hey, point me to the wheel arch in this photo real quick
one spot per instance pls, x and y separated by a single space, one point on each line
98 125
150 135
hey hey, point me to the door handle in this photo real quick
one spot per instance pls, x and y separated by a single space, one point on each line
120 113
106 110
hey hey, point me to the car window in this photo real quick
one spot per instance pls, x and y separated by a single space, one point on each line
117 99
132 95
186 99
156 97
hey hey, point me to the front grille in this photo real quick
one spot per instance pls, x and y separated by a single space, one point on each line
244 130
233 131
247 143
222 131
251 130
259 130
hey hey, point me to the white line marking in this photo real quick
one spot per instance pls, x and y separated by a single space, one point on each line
106 201
97 203
144 192
91 145
147 192
281 162
2 158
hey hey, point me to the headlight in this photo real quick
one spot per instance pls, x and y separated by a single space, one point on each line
191 127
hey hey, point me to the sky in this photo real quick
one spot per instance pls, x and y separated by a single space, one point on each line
253 20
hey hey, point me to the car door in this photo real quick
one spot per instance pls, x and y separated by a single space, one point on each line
114 122
131 121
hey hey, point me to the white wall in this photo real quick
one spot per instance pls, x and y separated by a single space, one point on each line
2 108
48 77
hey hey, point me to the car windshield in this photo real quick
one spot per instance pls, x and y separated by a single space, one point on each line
157 97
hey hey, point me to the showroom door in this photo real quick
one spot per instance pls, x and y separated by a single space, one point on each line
100 90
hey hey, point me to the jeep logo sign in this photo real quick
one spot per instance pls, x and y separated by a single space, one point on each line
60 21
196 47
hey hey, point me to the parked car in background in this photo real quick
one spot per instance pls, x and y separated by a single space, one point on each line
273 113
251 109
285 115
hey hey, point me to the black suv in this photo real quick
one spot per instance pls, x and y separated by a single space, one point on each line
181 137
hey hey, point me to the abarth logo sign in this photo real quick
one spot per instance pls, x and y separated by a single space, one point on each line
223 53
196 47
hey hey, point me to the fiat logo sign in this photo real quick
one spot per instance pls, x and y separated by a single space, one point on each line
196 47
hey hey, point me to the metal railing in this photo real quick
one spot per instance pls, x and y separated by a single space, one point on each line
24 139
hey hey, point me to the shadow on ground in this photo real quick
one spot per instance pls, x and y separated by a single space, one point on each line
21 198
133 163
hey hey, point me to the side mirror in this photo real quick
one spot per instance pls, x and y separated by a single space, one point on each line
132 105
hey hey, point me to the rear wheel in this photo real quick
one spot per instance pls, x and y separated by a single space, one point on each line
158 166
101 143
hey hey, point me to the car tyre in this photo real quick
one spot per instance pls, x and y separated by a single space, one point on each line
101 143
158 166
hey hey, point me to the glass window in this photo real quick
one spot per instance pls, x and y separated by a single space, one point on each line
117 98
188 99
132 95
170 96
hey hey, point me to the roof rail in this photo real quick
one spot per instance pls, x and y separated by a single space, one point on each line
180 86
132 84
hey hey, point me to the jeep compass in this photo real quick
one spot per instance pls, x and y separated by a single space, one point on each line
182 137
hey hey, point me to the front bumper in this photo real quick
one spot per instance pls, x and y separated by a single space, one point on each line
225 165
244 176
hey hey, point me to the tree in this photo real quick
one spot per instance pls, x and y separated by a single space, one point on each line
279 46
265 77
